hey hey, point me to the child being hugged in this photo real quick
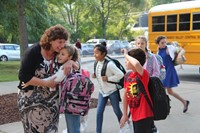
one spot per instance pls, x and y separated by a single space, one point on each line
66 54
141 113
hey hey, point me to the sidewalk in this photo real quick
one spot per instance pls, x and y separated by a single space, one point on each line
176 122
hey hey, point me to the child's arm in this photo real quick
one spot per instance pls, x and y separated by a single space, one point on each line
125 110
136 64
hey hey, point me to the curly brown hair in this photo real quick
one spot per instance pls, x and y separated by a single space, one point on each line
51 34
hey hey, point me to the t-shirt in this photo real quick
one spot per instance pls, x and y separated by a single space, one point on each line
139 107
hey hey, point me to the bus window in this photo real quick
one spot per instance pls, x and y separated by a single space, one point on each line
158 23
196 21
171 22
184 24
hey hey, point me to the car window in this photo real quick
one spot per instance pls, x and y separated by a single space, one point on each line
9 47
90 46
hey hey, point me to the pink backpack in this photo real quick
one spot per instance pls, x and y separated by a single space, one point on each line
76 94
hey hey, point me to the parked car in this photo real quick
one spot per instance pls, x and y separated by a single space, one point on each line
114 46
96 41
87 49
9 52
126 44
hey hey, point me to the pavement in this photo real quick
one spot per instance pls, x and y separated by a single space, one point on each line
176 122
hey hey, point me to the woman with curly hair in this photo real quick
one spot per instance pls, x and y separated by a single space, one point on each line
38 106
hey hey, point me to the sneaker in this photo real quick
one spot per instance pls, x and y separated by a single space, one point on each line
155 130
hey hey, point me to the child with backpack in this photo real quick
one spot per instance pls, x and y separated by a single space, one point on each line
106 90
70 90
141 113
151 65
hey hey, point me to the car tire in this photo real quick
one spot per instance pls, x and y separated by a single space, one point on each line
3 58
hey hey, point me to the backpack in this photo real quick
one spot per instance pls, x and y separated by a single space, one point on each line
161 101
76 94
119 84
162 67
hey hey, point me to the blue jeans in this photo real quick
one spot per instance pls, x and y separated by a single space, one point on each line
73 123
114 99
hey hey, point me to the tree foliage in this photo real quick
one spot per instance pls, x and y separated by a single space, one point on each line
84 19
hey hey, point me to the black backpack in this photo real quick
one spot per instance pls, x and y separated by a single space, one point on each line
161 101
119 84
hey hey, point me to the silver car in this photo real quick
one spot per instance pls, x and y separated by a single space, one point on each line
9 52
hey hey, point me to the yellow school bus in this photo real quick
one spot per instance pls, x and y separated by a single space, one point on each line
179 22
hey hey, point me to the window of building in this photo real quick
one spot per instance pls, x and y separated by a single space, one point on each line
158 23
184 22
171 22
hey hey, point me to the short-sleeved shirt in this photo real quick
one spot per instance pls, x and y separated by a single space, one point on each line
138 105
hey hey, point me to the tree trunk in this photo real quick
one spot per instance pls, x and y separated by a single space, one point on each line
22 27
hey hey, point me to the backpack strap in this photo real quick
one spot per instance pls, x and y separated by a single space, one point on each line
95 66
103 70
143 91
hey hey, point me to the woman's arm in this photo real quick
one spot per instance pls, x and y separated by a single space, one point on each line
69 65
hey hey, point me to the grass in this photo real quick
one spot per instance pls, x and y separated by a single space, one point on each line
9 71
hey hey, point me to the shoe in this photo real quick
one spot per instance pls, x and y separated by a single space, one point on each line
154 129
186 106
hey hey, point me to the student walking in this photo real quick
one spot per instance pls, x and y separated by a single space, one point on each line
107 90
167 52
151 64
141 113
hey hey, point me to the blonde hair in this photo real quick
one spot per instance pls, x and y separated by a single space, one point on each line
144 39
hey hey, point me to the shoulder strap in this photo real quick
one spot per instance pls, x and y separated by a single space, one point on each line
143 91
95 66
103 70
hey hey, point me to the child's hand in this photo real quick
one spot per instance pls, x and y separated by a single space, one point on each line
123 120
104 78
124 51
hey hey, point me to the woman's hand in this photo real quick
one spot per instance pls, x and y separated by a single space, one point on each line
123 120
68 67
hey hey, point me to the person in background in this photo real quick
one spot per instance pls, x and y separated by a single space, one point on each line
141 113
38 106
107 90
78 45
151 64
167 52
